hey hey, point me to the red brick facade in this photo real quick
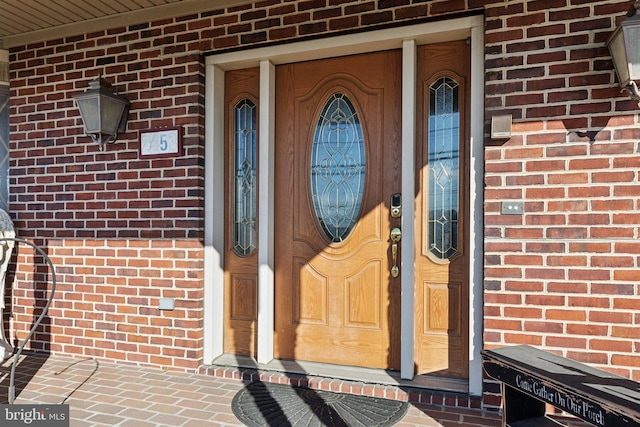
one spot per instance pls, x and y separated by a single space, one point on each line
125 231
563 276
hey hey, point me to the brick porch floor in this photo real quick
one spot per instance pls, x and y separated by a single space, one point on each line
107 394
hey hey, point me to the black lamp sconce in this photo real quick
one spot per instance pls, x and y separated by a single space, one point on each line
104 113
624 46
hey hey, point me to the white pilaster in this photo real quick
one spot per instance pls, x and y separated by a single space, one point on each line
266 223
407 271
213 327
476 228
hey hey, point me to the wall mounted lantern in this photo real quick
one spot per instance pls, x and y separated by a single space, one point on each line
104 113
624 46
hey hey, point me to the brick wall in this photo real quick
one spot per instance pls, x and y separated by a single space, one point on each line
121 231
125 231
563 276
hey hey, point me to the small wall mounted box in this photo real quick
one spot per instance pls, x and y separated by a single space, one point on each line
501 126
512 208
167 304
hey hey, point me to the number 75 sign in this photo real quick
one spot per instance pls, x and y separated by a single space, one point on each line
160 142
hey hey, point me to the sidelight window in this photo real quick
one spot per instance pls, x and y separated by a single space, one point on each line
245 165
444 167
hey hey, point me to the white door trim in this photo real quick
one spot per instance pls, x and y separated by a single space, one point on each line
405 38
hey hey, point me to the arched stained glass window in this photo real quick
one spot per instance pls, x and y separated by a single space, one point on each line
245 163
444 167
337 167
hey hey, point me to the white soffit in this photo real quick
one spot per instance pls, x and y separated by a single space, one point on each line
31 21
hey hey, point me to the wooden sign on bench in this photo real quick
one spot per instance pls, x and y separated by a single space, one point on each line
532 378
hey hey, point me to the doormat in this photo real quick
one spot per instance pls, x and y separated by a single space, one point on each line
265 404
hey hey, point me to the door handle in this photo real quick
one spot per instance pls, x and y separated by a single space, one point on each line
396 236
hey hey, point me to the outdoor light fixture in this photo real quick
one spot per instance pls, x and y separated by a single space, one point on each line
104 113
624 46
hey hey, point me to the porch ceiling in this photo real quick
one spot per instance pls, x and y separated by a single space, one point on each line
28 21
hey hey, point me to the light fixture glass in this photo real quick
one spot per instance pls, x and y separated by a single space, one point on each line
624 46
104 113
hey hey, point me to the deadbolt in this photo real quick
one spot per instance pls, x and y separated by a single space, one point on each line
396 205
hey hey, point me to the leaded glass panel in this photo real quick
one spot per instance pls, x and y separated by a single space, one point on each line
245 164
338 167
444 167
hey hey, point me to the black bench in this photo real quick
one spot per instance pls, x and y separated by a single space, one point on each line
532 378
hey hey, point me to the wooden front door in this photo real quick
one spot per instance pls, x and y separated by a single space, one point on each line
337 167
338 161
442 211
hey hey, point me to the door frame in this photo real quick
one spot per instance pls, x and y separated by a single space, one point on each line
406 38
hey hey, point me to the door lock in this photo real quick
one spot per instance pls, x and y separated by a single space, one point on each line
396 235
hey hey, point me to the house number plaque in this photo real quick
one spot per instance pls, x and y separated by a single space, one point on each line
162 142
